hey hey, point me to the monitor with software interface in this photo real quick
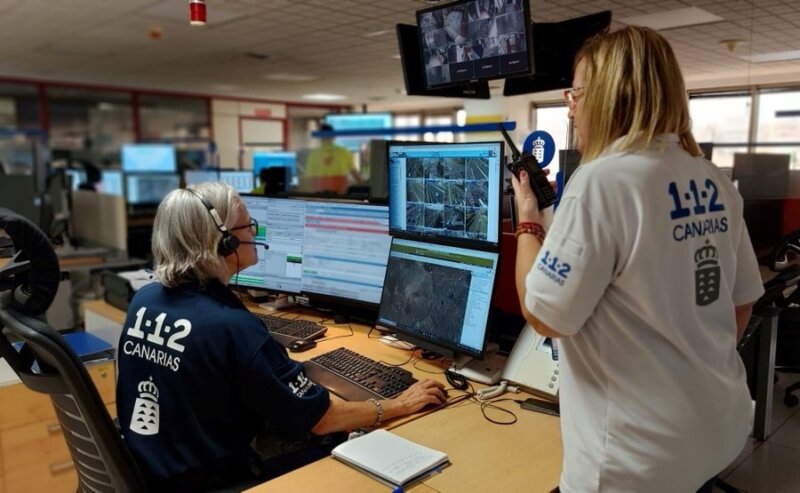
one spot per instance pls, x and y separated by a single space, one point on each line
281 225
414 70
241 181
438 296
357 121
111 183
197 176
345 249
149 188
148 158
449 192
471 40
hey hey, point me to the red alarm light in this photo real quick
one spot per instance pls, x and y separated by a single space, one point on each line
197 12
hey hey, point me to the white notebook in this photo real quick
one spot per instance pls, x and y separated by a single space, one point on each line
390 458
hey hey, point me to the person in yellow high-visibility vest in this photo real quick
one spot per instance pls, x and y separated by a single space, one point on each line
329 167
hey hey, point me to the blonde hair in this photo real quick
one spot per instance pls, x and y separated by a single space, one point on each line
185 238
634 90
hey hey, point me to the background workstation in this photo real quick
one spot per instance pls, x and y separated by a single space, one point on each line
242 94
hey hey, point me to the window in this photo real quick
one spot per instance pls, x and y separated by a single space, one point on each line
406 121
779 122
555 121
92 124
19 106
438 121
174 118
721 119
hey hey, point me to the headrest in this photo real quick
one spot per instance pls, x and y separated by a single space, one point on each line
34 289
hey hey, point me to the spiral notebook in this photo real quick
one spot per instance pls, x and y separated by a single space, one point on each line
391 459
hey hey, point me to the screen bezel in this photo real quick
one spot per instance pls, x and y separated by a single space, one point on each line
438 346
526 9
449 240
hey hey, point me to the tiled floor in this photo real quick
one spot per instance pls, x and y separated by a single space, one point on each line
772 466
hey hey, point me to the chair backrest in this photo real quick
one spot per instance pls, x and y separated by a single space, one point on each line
48 365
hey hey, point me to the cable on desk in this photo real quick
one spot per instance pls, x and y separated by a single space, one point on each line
492 405
399 364
441 372
351 334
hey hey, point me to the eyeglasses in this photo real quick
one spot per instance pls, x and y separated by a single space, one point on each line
253 225
571 95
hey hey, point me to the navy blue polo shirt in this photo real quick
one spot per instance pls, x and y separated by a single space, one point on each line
198 377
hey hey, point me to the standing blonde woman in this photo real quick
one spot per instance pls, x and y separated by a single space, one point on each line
647 276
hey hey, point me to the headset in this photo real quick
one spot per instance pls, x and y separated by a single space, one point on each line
228 243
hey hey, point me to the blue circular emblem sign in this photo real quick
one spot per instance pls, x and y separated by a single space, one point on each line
542 146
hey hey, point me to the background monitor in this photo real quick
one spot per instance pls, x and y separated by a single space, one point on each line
438 296
762 176
148 158
357 121
241 181
76 177
197 176
111 182
474 40
286 160
446 191
281 224
345 249
555 46
414 70
149 188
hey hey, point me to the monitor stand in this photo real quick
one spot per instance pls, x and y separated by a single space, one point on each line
280 302
487 370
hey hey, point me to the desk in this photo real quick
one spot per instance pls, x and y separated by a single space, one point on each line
525 456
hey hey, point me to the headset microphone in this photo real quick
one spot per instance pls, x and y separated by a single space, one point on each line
266 247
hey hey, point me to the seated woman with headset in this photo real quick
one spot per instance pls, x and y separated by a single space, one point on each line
199 376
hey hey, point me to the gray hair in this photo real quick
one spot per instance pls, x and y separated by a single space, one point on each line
185 238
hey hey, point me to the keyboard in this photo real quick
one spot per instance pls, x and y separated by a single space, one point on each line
287 330
355 377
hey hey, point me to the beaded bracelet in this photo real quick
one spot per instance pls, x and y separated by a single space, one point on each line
379 409
534 229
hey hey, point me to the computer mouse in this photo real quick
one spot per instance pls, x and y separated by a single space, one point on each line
300 345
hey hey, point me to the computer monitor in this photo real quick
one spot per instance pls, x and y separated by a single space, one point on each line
357 121
197 176
241 181
281 224
111 182
414 70
762 176
471 40
438 296
149 188
555 46
287 160
148 158
345 249
446 192
76 177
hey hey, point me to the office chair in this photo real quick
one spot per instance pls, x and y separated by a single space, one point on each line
47 364
784 260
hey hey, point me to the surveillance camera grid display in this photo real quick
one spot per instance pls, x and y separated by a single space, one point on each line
448 196
445 190
473 40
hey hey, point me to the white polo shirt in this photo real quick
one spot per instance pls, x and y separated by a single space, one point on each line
641 270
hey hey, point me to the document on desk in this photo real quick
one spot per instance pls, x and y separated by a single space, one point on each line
391 459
